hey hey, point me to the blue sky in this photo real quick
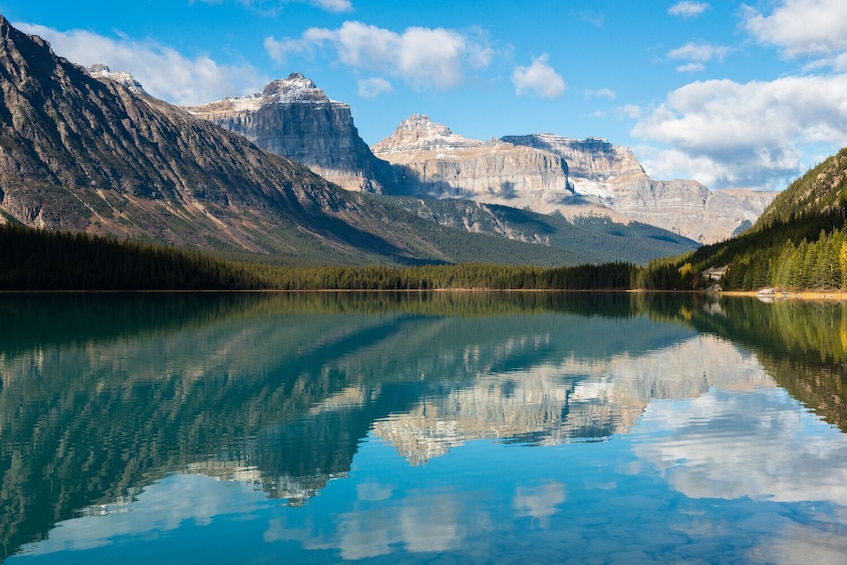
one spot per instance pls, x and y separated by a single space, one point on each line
732 94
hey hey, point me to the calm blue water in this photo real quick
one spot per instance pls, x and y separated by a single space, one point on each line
467 428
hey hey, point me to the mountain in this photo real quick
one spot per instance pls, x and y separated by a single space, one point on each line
600 180
612 176
438 163
594 236
822 190
799 242
293 118
90 154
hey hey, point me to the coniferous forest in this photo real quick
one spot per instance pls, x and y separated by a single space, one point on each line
47 260
799 243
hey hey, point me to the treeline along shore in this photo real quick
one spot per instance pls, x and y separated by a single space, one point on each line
42 260
32 259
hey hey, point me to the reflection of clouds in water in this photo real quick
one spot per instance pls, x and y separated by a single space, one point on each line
431 523
419 522
539 502
373 491
163 506
760 444
786 541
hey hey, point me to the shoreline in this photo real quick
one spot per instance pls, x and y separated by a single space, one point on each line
829 295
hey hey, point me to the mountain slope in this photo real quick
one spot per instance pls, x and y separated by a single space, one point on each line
799 243
611 175
821 190
596 237
87 154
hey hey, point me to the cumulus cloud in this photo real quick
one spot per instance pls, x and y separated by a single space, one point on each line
422 57
163 71
801 27
688 9
699 51
538 79
746 134
373 87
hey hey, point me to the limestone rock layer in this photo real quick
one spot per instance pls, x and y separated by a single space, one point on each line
295 119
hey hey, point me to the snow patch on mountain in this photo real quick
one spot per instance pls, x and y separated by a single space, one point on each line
124 79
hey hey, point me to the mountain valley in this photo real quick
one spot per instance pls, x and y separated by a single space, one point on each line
90 151
543 173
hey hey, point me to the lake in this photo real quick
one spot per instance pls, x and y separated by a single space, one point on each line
436 428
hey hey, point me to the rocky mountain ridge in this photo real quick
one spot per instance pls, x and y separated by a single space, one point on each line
593 158
95 154
601 179
612 176
545 173
294 118
437 163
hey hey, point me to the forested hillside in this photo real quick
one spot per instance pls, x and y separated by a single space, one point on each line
49 260
799 243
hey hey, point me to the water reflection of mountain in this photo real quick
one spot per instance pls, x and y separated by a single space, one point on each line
102 395
575 399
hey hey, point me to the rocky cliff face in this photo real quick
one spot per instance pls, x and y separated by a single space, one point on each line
89 151
437 163
593 158
548 173
90 154
611 175
295 119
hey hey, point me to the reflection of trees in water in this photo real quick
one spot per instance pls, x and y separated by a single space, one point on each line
802 345
103 394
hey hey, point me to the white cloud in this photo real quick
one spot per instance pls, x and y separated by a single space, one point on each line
629 110
726 133
422 57
601 93
538 79
432 56
162 71
691 68
273 7
688 9
695 51
336 6
539 502
373 87
801 27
